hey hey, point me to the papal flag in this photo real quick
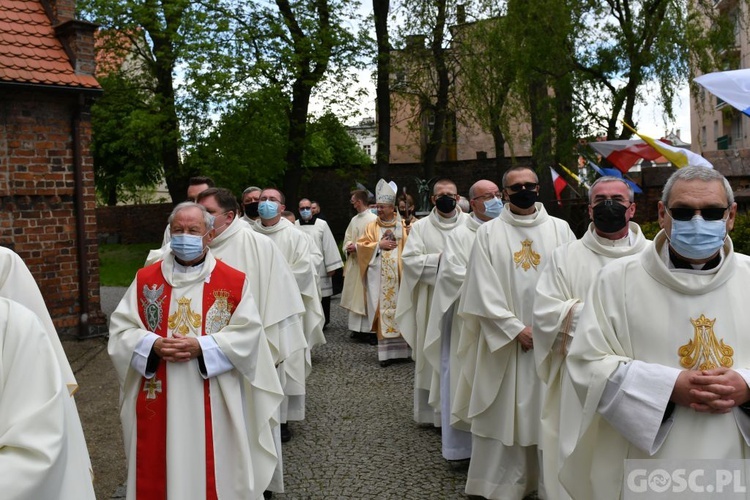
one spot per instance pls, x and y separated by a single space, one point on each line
680 157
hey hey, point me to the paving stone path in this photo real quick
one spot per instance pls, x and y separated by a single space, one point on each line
359 439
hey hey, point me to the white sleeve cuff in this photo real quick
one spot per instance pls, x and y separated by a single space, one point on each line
214 359
140 355
634 402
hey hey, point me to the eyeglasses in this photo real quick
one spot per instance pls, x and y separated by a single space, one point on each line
708 213
305 208
487 196
528 186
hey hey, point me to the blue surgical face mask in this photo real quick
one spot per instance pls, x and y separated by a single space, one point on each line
374 211
493 207
268 209
306 214
697 239
187 247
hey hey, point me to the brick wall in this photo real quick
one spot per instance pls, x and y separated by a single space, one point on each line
38 203
133 223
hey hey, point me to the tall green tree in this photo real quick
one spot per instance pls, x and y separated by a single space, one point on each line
169 28
126 145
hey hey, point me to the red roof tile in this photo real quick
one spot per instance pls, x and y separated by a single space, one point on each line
29 50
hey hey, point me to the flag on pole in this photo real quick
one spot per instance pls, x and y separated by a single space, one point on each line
623 154
573 175
559 184
730 86
680 157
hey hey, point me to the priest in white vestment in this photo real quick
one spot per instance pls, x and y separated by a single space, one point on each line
379 255
496 305
661 355
320 232
196 185
40 456
18 284
560 293
444 325
420 264
271 282
199 390
295 248
353 293
250 202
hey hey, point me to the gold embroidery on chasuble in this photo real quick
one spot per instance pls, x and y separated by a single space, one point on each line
184 321
151 387
219 313
388 294
704 351
526 258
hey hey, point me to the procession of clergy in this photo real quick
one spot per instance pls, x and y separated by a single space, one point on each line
547 361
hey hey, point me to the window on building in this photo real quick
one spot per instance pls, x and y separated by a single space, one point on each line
368 149
703 135
716 129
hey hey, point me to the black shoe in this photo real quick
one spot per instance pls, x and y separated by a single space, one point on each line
286 433
268 494
386 363
373 339
353 334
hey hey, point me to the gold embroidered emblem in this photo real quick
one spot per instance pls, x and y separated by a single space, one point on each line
526 257
219 313
184 318
151 387
705 352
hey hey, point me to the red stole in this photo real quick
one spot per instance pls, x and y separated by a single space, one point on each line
154 299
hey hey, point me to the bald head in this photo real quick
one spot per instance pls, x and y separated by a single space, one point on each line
481 191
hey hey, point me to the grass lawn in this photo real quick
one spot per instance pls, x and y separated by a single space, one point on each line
119 263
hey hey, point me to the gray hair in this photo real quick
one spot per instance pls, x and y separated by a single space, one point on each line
517 169
208 219
696 174
250 190
611 178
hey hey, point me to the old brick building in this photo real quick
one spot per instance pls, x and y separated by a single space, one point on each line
47 196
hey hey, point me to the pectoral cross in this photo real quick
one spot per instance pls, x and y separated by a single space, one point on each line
151 387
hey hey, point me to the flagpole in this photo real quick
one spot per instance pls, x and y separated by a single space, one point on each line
574 177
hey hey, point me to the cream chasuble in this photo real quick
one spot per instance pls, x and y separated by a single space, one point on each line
442 338
243 401
324 240
39 458
381 272
353 294
503 402
496 304
420 264
295 248
18 284
641 312
562 287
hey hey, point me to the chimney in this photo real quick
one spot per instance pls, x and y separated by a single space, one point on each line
460 13
60 11
77 38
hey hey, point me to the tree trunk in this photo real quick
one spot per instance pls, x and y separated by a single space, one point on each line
440 107
383 91
301 91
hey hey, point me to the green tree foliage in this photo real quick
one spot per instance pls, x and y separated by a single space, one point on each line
248 145
126 145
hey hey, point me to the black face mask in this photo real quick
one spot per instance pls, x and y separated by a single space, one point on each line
251 209
523 199
402 212
445 204
609 216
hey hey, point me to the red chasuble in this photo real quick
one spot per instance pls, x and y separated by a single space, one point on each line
154 297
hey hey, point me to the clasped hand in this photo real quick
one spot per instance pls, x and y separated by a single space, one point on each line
177 349
710 391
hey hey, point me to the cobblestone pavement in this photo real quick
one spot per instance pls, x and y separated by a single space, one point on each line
359 440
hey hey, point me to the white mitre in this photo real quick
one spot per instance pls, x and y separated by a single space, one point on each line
385 192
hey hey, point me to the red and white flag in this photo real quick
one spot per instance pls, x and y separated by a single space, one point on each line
559 184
